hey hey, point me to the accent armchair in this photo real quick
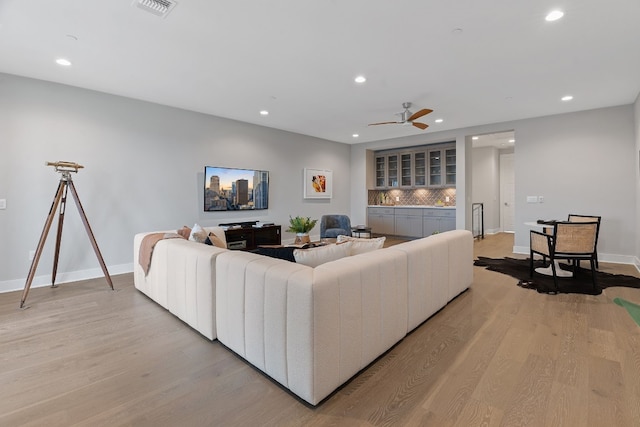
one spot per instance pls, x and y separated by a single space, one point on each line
331 226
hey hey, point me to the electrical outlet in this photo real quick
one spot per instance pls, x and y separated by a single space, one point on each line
32 254
3 203
446 199
397 198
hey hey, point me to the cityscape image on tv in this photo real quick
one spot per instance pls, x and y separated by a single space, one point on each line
228 189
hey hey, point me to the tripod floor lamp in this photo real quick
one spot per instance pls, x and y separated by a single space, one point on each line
66 183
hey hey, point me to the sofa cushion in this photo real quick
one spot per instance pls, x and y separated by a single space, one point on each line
285 253
360 245
314 257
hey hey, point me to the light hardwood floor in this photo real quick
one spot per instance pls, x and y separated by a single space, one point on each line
497 355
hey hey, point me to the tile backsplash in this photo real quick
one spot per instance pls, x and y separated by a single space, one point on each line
418 196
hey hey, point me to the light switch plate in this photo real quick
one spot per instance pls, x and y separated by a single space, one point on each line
3 203
532 199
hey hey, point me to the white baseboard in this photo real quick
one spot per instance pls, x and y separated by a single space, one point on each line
72 276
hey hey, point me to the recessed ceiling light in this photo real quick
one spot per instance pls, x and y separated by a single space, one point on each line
554 15
63 62
512 141
439 120
475 138
360 79
355 135
264 113
567 98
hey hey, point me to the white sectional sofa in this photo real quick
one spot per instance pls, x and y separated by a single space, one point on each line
310 329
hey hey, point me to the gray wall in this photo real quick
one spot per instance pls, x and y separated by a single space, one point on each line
143 172
637 135
581 163
584 163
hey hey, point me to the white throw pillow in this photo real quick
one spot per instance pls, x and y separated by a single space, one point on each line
198 234
360 245
313 257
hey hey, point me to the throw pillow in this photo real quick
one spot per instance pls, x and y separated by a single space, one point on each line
185 232
313 257
360 245
214 240
198 234
281 253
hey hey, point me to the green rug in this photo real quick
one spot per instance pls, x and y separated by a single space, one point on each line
633 309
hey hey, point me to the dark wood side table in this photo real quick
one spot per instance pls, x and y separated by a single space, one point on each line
359 231
249 238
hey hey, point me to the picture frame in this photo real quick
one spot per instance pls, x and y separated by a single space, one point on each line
318 183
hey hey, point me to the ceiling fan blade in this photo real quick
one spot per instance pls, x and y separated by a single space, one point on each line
383 123
419 114
420 125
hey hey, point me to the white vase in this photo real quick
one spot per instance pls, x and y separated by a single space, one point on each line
302 238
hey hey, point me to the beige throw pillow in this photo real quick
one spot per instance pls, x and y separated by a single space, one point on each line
215 241
184 232
314 257
360 245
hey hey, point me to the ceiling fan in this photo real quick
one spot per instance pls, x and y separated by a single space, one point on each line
407 118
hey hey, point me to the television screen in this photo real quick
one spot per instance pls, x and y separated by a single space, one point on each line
229 189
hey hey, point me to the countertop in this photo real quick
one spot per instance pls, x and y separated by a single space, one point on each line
412 206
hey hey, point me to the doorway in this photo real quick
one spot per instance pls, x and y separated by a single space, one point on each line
493 179
507 193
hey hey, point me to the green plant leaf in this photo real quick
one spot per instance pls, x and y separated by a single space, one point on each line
301 224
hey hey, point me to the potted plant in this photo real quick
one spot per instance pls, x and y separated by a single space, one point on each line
301 226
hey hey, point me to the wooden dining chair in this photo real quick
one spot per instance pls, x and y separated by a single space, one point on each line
587 218
573 241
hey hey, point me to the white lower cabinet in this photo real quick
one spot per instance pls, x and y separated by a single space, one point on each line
438 220
410 222
381 220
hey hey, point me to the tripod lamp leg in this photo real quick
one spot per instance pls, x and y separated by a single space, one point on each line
56 256
87 227
43 239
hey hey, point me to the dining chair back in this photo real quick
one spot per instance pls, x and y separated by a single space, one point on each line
573 241
588 218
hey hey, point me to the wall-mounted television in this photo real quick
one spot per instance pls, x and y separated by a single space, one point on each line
231 189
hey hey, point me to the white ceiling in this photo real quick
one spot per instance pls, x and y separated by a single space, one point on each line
298 58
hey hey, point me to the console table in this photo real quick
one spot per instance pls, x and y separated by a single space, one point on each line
249 238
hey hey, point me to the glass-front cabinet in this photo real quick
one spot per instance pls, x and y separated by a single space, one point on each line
420 169
450 166
381 171
386 170
406 178
423 166
435 168
392 170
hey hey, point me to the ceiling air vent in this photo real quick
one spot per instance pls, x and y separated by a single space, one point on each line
157 7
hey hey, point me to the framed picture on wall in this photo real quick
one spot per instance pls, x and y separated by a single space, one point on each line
317 183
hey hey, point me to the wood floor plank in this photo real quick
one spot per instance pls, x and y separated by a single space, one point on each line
83 355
